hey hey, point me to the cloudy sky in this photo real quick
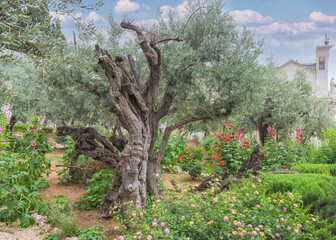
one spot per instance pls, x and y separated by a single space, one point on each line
291 29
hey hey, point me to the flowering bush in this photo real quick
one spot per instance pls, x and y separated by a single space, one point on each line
229 151
246 211
281 155
326 153
21 175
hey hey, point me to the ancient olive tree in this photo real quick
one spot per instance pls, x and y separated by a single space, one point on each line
183 70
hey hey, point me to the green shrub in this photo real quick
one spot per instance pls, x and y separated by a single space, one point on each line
284 154
326 153
194 169
21 177
315 168
92 233
97 188
23 128
247 210
61 216
318 192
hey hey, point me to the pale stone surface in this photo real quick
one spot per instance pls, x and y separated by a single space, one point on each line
317 74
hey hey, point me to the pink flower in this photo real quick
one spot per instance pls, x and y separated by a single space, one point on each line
299 131
166 231
299 141
32 144
226 219
285 209
0 130
227 123
281 144
239 132
269 128
286 167
36 150
162 224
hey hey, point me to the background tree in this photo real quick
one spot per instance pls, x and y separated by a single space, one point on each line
283 104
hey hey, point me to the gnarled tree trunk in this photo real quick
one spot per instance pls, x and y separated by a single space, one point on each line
135 107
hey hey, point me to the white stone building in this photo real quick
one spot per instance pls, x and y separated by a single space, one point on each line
317 72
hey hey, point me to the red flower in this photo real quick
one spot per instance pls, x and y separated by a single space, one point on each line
286 166
232 126
227 123
182 158
239 132
218 150
178 157
180 127
272 133
230 137
265 154
215 157
221 163
216 143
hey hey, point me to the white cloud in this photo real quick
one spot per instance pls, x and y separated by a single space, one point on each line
65 18
179 10
147 22
321 17
250 16
126 6
68 19
284 27
95 17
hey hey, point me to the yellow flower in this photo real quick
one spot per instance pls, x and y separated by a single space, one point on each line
220 237
262 233
235 222
191 222
314 220
260 226
281 201
240 228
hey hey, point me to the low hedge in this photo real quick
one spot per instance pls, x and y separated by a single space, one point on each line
318 192
23 128
329 169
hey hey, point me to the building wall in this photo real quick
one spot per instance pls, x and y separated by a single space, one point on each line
291 68
322 81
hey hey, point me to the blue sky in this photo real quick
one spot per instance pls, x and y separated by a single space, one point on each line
291 29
